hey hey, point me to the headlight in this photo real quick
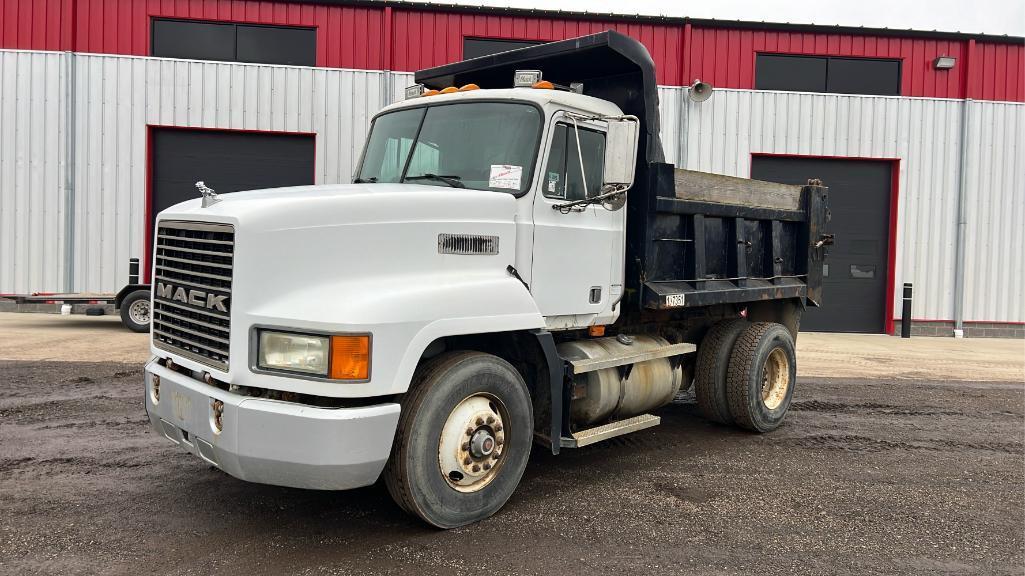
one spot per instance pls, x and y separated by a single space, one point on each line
294 352
341 357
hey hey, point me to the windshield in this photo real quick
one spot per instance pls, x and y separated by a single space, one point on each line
479 145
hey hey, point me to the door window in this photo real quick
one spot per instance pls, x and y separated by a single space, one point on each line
562 178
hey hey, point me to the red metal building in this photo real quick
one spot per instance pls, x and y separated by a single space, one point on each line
404 37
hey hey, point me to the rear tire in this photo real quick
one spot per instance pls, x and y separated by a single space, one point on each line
710 370
135 311
762 377
463 439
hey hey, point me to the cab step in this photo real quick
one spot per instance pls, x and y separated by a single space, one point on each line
585 365
610 430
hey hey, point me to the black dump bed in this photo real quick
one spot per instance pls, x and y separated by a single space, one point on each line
693 239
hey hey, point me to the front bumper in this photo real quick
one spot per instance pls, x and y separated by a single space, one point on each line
269 441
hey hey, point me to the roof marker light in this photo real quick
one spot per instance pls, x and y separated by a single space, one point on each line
526 78
430 93
543 85
449 90
414 91
468 87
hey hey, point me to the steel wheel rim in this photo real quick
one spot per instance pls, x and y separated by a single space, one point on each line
139 311
465 459
775 379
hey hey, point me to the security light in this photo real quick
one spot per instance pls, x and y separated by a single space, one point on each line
944 62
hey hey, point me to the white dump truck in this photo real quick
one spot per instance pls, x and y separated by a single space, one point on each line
513 264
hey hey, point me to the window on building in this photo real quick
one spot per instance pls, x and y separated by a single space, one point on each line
827 74
199 40
562 177
477 47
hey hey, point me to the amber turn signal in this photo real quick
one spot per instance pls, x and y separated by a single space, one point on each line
595 331
350 357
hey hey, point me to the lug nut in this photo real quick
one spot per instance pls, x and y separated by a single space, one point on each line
487 466
466 446
495 456
491 420
476 467
498 427
480 421
469 431
467 461
500 439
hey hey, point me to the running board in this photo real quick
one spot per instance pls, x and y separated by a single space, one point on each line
610 430
586 365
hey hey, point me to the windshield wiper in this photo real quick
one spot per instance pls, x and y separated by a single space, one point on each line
452 181
371 180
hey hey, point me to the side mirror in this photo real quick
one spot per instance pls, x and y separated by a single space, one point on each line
620 152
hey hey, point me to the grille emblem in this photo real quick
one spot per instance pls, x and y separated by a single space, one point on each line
199 298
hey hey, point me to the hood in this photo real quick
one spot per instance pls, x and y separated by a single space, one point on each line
347 204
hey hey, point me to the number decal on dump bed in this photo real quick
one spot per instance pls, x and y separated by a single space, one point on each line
674 300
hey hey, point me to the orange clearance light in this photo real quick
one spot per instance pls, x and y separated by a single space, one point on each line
543 85
350 357
595 331
431 93
450 90
468 87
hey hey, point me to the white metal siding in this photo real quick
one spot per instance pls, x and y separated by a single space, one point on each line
118 96
924 134
31 171
995 238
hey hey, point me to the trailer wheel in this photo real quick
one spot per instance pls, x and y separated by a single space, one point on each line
762 377
463 439
711 367
135 311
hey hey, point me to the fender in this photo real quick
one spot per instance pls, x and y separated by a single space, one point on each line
404 314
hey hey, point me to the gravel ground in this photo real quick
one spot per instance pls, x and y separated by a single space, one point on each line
866 477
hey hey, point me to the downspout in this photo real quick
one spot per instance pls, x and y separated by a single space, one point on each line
69 171
962 191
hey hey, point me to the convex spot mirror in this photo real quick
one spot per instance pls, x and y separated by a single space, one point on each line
620 152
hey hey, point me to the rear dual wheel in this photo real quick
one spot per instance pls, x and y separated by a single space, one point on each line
745 374
761 377
463 439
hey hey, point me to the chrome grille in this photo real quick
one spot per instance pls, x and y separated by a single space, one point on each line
192 290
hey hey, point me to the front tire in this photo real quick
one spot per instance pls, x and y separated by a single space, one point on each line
135 311
762 376
463 439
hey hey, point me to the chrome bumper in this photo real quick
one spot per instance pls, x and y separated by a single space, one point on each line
269 441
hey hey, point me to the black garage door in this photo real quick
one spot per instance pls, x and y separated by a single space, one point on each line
226 162
859 199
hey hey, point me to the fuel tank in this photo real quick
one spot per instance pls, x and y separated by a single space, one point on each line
605 395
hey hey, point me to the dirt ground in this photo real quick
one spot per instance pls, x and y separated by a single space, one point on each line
901 473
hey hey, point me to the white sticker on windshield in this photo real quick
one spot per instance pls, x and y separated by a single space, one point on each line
505 176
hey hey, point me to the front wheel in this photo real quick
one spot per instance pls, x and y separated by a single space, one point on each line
463 439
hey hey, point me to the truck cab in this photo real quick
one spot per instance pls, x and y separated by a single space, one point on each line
490 279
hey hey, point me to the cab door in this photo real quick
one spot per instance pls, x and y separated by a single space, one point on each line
577 252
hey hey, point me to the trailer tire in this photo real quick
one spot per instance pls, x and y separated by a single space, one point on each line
762 377
135 311
457 403
711 368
